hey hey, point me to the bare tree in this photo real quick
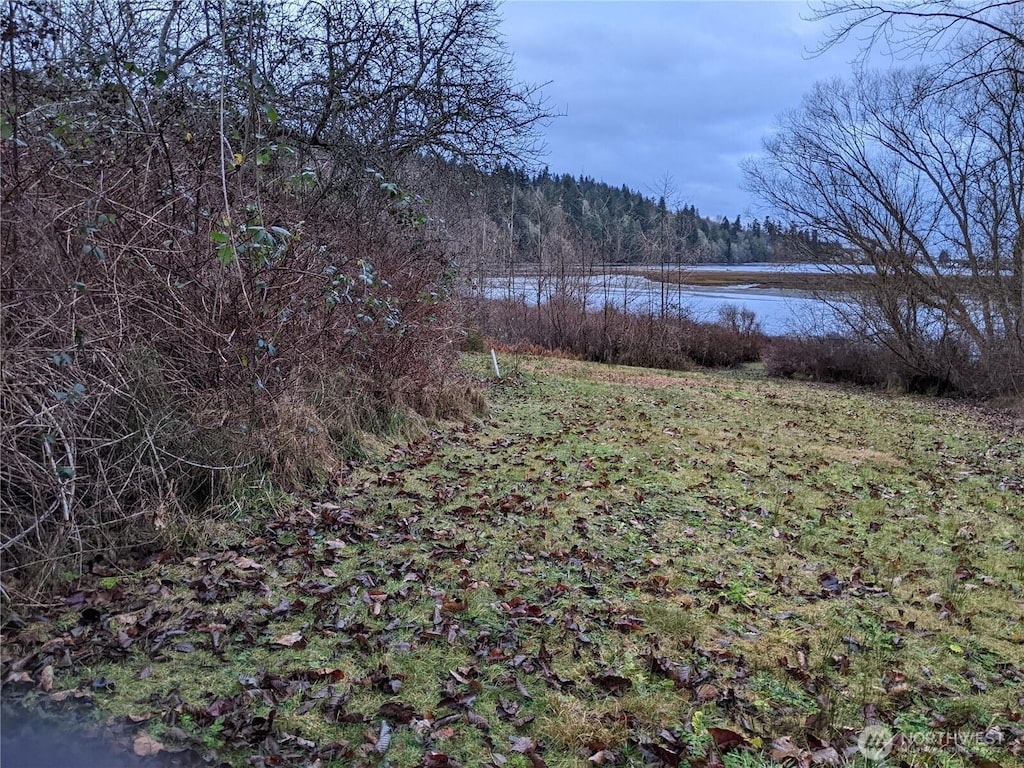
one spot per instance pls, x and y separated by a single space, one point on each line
953 35
920 173
921 25
925 184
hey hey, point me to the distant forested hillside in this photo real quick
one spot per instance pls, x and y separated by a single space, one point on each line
511 217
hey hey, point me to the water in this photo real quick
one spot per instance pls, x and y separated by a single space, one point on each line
778 312
35 740
758 266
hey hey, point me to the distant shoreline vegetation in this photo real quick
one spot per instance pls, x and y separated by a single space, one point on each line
518 218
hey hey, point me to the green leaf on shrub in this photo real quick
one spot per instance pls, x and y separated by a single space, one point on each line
226 255
94 250
219 237
64 474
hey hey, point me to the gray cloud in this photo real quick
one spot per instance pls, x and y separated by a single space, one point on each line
677 89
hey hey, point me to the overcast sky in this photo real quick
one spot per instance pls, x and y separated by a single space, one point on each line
678 88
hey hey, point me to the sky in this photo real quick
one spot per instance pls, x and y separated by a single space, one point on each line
668 94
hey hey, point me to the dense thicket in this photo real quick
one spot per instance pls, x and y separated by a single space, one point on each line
210 259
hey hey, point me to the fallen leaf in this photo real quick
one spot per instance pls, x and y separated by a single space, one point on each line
146 746
384 739
46 678
291 640
397 711
830 583
826 756
706 693
439 760
522 744
983 762
478 720
783 748
727 740
330 673
614 683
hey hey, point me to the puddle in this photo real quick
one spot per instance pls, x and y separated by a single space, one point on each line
32 740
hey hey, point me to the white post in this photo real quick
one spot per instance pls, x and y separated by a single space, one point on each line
494 359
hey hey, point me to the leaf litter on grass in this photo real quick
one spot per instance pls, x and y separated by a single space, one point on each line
620 567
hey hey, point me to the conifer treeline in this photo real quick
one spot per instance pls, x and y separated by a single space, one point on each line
515 218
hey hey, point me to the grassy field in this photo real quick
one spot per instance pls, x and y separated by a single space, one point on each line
815 282
778 281
617 567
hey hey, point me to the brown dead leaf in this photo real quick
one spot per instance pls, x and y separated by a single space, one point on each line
706 693
826 756
454 605
522 744
615 684
291 640
330 673
46 678
439 760
783 748
146 746
727 740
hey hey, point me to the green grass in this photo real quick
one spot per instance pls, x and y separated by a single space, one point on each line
615 561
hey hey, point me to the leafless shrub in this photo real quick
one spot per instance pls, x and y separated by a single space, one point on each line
941 367
172 318
832 359
613 336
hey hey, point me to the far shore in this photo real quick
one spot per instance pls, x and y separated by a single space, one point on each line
787 278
